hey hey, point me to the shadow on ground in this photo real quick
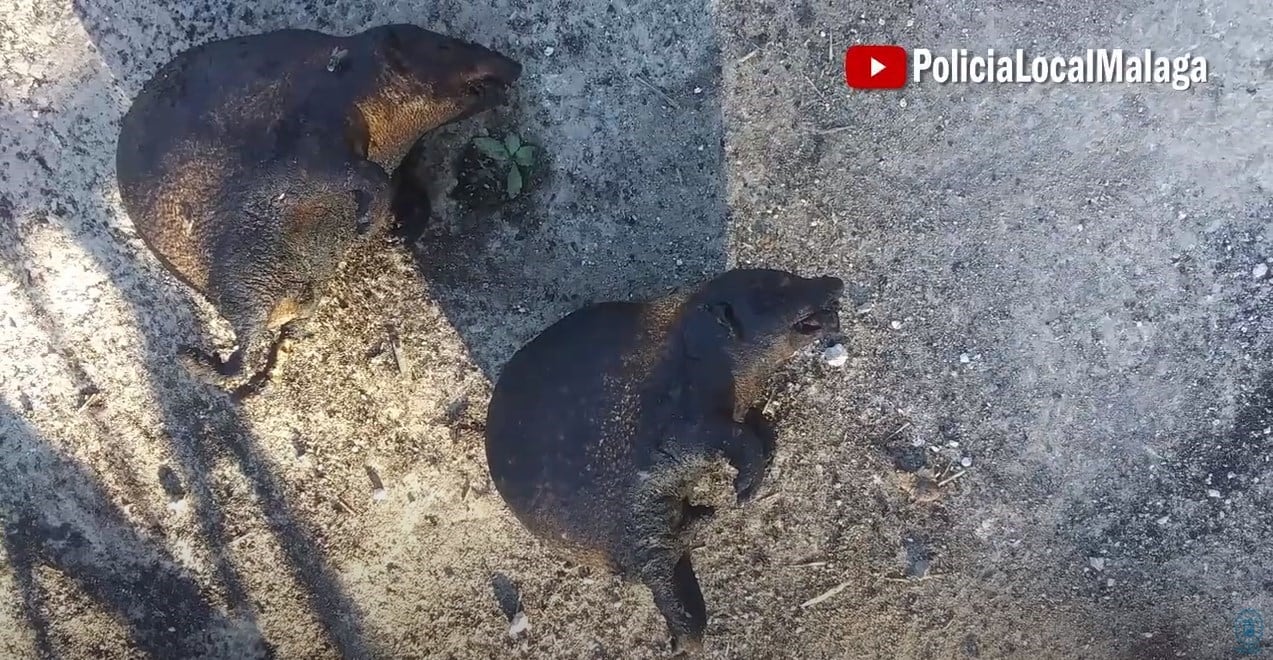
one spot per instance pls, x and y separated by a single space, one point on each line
628 199
58 515
631 203
200 426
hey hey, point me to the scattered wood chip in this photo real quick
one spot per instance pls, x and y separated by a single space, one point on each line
90 401
340 499
815 88
657 90
400 357
239 539
768 496
901 428
829 593
918 578
951 478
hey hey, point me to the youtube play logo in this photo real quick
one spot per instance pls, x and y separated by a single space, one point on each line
875 67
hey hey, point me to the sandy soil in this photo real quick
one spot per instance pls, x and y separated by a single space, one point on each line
1057 283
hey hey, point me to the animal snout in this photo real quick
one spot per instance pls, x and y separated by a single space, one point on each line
495 71
502 69
833 286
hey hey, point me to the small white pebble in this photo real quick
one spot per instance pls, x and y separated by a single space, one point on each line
896 325
835 356
519 625
966 461
1109 582
1260 271
952 443
1211 492
1097 563
902 103
549 50
698 90
379 494
917 442
1164 520
963 358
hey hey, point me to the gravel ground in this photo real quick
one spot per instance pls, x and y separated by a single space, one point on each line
1059 310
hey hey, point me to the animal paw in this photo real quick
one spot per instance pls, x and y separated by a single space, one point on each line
200 363
227 375
748 481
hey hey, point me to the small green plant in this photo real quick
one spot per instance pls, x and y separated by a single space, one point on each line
511 153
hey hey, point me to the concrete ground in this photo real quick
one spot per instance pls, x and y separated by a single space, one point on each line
1061 284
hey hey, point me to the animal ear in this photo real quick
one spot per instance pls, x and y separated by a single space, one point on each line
395 51
708 328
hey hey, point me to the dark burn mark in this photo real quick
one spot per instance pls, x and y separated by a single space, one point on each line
171 484
1201 491
907 457
1245 452
507 595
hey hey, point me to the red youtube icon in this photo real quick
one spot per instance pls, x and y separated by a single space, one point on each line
875 67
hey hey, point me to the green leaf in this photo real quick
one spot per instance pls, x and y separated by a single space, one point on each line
514 181
512 143
525 156
492 148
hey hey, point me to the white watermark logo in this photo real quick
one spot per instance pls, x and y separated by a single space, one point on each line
1096 65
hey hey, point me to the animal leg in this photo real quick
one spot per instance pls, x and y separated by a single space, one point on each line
676 592
411 206
374 194
747 452
692 516
747 449
760 425
247 369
